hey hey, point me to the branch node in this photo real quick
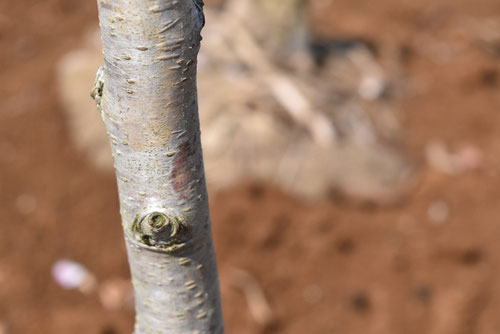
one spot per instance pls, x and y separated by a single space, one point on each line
98 88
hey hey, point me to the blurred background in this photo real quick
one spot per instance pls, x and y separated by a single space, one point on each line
352 159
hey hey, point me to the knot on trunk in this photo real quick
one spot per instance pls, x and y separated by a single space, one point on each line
200 22
157 229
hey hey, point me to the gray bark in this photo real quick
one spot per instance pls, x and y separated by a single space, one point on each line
147 98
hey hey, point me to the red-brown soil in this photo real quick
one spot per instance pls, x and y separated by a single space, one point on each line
330 267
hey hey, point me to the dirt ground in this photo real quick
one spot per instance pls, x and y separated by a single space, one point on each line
331 267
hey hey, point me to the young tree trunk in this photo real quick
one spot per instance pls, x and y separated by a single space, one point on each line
147 98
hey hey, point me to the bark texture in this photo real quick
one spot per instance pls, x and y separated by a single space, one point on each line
146 94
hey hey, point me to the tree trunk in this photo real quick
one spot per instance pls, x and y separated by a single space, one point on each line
147 98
